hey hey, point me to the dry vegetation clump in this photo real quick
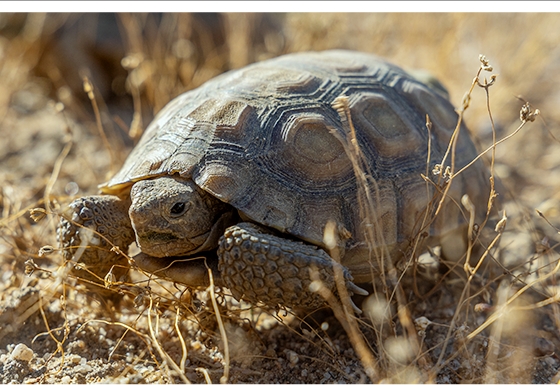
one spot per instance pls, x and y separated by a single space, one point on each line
496 321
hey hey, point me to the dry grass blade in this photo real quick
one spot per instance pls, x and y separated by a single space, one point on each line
506 307
163 354
547 221
224 378
88 89
344 311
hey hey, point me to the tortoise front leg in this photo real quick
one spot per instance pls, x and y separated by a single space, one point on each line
95 224
259 266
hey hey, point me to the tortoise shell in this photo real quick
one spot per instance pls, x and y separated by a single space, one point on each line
266 140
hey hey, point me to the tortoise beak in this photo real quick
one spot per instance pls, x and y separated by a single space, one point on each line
192 270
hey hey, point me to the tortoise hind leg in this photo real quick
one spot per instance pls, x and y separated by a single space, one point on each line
258 266
95 225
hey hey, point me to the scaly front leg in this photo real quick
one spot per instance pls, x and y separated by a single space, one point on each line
95 225
259 266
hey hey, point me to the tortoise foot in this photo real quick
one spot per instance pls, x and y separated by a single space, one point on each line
261 267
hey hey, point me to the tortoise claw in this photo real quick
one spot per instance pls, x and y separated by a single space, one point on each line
357 310
356 289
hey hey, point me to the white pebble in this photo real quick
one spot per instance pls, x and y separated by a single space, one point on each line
22 353
291 356
83 369
74 358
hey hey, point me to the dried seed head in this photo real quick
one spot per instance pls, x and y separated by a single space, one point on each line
110 279
45 250
421 324
526 114
475 231
501 225
447 174
37 214
483 307
428 123
88 88
485 63
117 250
30 267
487 83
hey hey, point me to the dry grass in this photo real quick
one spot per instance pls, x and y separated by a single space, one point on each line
498 321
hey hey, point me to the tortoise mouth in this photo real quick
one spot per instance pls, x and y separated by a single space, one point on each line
192 270
158 237
165 244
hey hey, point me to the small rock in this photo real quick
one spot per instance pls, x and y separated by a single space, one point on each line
270 353
22 353
74 358
543 347
83 369
292 356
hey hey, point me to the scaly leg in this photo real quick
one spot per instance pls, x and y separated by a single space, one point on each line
259 266
97 223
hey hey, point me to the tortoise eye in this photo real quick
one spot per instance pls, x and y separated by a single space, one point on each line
178 208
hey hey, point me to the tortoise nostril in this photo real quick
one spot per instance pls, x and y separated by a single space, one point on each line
178 208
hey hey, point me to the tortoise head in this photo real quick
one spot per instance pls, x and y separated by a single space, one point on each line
172 216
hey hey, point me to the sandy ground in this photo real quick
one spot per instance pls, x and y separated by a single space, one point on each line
55 329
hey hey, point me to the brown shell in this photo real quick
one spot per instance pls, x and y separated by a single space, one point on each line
266 140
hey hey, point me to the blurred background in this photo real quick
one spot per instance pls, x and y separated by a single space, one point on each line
59 139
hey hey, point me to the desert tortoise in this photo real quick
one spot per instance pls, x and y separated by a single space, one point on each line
244 173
